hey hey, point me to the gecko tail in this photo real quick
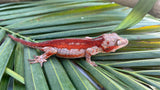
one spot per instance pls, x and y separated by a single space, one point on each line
29 44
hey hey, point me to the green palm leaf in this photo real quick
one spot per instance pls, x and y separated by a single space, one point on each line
132 67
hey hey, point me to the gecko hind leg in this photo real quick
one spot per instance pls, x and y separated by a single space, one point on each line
49 51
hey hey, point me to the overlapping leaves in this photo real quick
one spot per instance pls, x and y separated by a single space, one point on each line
133 67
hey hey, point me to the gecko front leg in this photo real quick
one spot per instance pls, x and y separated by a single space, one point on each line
49 51
92 51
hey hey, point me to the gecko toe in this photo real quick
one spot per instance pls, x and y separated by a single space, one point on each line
93 64
41 63
31 59
33 62
37 59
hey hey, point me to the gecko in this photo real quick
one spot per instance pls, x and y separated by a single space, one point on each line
75 47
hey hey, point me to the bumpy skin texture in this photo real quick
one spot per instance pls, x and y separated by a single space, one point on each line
76 47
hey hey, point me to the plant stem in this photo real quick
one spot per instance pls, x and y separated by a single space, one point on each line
17 34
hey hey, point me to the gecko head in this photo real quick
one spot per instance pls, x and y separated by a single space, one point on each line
112 42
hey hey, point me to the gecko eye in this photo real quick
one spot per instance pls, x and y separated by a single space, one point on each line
122 42
119 42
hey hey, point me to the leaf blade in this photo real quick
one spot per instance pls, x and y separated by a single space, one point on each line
136 14
33 72
53 68
126 79
6 51
101 77
77 78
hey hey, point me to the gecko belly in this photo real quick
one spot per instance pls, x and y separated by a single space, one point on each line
72 53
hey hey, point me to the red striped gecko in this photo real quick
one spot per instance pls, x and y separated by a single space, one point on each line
75 47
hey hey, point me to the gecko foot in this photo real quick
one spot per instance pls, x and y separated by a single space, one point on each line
92 63
37 59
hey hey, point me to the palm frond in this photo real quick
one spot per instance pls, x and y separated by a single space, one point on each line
132 67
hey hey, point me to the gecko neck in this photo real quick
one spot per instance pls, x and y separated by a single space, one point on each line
98 41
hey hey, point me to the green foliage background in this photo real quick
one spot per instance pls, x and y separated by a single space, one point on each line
133 67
